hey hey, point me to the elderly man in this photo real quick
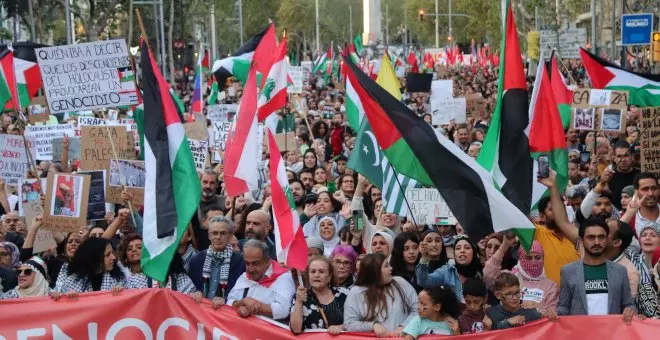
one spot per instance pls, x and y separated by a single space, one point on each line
266 288
257 227
215 270
10 222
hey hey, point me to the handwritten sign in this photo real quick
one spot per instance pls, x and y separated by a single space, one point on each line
221 112
66 202
475 104
650 139
41 138
14 160
87 76
38 110
44 239
96 148
428 207
445 110
296 75
91 121
218 132
200 152
585 98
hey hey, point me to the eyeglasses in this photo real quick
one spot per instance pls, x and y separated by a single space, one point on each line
511 296
342 263
26 272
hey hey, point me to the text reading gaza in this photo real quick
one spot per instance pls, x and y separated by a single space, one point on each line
76 51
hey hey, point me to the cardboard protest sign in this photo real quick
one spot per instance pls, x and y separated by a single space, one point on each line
29 190
475 104
196 129
200 152
96 148
218 132
97 192
296 75
126 174
44 239
14 160
66 202
586 98
441 89
428 207
221 112
91 121
445 110
286 141
87 76
307 69
38 110
650 140
41 138
73 150
596 109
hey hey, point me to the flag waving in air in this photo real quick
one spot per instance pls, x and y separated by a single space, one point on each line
8 90
172 191
415 150
643 89
322 60
563 95
273 95
200 84
505 152
290 245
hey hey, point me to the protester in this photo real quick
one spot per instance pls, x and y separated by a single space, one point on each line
379 302
509 313
322 305
474 319
177 280
328 232
405 256
258 227
32 280
437 310
343 260
9 255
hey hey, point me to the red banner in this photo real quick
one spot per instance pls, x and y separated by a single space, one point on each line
161 314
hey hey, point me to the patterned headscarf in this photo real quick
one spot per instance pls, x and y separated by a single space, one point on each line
14 253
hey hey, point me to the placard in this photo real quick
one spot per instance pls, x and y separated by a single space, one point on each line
650 140
41 138
443 111
87 76
221 112
218 132
196 129
441 89
38 110
585 98
73 150
29 190
97 192
200 152
14 160
91 121
43 240
475 104
96 148
428 207
131 175
296 75
286 141
66 202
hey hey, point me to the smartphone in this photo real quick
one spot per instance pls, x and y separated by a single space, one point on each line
356 217
584 157
544 166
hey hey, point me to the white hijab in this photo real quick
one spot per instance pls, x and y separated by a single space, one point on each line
38 288
329 245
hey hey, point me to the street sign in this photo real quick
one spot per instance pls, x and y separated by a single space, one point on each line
636 29
567 42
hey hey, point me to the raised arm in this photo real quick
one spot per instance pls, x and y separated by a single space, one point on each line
559 209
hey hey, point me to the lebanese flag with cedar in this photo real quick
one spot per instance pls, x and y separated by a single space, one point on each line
273 95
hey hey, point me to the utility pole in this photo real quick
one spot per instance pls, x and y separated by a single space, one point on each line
214 41
387 24
350 21
594 41
33 31
130 22
451 35
67 14
240 20
318 36
624 51
614 30
437 27
405 29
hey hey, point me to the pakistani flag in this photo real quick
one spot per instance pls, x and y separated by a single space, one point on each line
172 191
643 89
369 160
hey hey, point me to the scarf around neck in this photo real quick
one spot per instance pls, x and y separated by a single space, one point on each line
224 258
38 288
267 281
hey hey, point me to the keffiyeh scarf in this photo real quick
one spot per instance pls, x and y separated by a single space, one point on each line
224 258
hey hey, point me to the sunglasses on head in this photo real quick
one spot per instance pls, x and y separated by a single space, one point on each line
26 272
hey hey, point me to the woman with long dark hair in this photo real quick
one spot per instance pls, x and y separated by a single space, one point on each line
405 256
379 302
437 252
92 268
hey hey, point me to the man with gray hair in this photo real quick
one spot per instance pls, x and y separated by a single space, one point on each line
266 288
215 271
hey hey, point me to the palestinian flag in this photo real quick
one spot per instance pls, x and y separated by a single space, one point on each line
415 150
238 64
172 191
290 244
273 95
180 107
321 61
28 80
546 133
643 89
354 109
213 96
7 81
505 152
563 95
359 47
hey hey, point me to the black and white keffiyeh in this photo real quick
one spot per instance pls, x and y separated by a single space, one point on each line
78 284
190 252
183 283
224 258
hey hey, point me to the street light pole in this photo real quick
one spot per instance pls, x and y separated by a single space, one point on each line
67 14
163 54
240 20
214 41
350 21
318 41
437 27
450 31
387 24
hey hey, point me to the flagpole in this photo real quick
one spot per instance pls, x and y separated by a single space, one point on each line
396 176
565 68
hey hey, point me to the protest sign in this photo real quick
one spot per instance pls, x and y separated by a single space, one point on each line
87 76
73 150
200 152
196 129
90 121
597 109
66 202
96 148
475 104
38 110
286 141
29 190
307 69
650 140
14 160
296 75
218 132
130 175
221 112
442 89
43 240
587 98
41 138
428 207
97 191
445 110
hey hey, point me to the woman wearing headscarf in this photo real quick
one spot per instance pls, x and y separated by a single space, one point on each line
32 280
465 265
326 206
537 290
649 241
9 255
375 238
328 233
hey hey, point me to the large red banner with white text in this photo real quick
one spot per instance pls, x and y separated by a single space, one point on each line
161 314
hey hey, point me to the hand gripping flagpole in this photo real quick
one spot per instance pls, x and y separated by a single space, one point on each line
396 176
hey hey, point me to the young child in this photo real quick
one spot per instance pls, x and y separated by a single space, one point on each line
474 319
437 310
509 313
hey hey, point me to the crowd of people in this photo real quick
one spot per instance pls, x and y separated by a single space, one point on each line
595 252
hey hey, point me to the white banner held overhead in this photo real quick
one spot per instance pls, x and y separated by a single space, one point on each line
442 89
445 110
87 76
221 112
567 42
428 207
41 139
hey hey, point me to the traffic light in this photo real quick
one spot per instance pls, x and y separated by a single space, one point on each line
655 46
421 15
